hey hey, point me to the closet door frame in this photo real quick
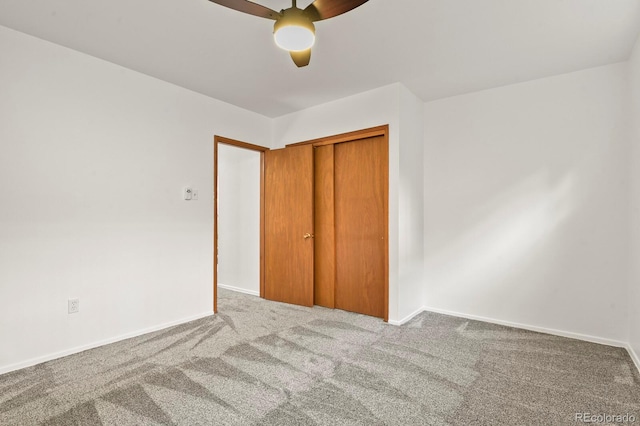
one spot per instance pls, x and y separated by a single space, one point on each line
354 136
261 149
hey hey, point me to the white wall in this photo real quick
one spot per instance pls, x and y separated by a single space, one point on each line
239 219
526 203
93 159
411 289
634 282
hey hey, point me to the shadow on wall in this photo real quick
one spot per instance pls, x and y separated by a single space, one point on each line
544 251
502 236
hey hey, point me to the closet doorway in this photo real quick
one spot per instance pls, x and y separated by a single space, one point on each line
238 217
326 222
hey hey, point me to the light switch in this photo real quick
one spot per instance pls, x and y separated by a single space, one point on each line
188 193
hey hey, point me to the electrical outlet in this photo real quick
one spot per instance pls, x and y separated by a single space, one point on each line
74 306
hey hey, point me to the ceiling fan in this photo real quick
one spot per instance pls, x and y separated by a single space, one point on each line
294 30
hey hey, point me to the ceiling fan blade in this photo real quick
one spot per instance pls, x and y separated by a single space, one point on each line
301 58
249 7
325 9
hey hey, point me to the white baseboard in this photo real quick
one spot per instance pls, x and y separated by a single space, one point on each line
634 356
60 354
569 334
239 290
407 318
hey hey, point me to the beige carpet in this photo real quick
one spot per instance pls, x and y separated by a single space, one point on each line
266 363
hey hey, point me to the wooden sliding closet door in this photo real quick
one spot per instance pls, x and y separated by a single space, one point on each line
325 244
288 225
361 175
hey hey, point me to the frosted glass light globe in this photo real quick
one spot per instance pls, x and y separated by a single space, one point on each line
294 31
294 38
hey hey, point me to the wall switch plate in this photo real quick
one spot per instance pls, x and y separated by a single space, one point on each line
74 306
188 193
195 195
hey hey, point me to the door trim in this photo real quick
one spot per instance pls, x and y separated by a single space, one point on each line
358 135
348 137
261 149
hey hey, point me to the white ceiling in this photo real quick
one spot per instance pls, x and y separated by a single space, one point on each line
437 48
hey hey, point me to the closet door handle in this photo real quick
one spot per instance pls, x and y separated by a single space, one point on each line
307 236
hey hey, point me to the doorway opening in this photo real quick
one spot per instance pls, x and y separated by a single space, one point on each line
238 234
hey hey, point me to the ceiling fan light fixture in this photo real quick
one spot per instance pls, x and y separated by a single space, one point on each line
294 31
